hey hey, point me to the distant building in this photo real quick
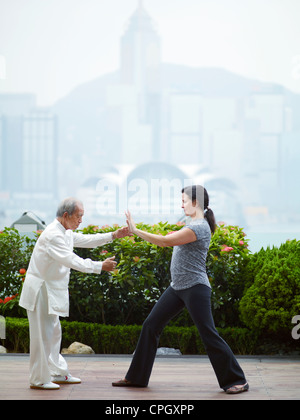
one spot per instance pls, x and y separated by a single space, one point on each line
28 159
135 101
207 120
39 160
152 191
238 136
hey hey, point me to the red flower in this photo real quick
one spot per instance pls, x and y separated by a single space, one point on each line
22 271
8 298
226 248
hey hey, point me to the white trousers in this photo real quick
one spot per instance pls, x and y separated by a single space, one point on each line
45 342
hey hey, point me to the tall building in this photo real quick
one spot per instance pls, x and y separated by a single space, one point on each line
185 129
141 59
39 167
11 153
138 96
12 109
28 158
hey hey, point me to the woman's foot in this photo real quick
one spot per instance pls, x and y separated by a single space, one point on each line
124 382
237 389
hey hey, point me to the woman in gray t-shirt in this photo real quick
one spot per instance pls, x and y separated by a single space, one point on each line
189 288
188 265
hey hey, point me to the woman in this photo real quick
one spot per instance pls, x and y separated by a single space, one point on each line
189 288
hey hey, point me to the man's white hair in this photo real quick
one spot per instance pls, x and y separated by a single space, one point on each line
68 205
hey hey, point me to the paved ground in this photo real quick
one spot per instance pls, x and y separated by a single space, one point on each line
184 378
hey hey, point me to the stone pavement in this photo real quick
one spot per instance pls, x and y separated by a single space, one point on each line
183 378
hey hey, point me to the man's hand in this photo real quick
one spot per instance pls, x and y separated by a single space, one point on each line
109 264
121 233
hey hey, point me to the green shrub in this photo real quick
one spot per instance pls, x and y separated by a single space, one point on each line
273 298
226 261
254 265
116 339
15 252
104 339
127 295
143 273
17 335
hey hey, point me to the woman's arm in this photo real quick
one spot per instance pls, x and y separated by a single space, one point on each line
181 237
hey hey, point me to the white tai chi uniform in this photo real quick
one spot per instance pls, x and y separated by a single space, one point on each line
45 294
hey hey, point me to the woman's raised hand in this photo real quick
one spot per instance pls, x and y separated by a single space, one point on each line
130 222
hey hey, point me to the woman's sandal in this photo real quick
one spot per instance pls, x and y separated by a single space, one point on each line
124 382
237 389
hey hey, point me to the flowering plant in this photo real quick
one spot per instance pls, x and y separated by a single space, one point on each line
227 258
127 295
143 272
11 303
15 252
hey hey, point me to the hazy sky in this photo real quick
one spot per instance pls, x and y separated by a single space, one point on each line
48 47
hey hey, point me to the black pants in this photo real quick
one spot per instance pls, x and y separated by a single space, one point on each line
197 300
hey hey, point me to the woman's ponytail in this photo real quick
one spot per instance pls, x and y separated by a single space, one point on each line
210 217
199 193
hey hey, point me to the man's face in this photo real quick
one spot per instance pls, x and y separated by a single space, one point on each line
72 222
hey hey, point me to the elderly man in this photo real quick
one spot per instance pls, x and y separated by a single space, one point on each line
45 290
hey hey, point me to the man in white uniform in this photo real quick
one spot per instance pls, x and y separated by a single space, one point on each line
45 290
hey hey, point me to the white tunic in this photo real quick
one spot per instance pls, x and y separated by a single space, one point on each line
51 261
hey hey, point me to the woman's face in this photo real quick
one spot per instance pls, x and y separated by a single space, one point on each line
187 205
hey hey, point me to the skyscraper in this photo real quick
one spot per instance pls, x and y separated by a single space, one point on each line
39 154
28 158
141 69
141 55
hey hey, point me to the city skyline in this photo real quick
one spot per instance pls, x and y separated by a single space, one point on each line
150 123
51 47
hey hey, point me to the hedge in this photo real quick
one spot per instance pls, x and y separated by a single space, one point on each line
116 339
126 296
255 295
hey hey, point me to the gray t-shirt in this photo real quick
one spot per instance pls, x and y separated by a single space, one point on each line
188 265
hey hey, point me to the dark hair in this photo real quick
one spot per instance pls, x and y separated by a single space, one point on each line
199 193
